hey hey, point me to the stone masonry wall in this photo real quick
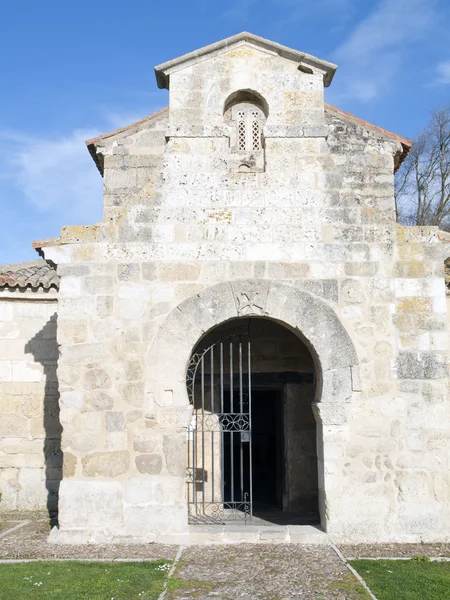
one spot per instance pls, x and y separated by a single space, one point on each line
30 457
177 221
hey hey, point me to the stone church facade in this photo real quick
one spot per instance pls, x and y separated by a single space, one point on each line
247 212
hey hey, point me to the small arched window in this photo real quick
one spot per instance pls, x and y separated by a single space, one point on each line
245 113
248 119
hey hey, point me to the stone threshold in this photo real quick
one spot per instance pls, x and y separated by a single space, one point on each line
200 535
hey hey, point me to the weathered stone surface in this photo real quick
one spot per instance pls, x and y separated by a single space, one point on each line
175 454
70 464
90 504
114 421
159 489
149 463
97 378
147 441
106 464
421 365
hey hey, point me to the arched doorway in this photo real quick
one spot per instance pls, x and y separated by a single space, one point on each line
252 441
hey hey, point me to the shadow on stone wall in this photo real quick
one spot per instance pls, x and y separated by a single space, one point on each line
44 348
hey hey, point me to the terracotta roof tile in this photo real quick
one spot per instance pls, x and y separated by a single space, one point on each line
33 274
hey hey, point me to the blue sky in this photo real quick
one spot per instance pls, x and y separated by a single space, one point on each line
71 70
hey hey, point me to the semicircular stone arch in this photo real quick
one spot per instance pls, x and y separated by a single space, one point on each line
306 315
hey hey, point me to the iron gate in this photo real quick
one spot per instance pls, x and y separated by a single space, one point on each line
219 474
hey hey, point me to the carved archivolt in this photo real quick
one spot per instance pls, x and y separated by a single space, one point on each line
309 317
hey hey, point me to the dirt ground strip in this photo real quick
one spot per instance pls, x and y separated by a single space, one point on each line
395 550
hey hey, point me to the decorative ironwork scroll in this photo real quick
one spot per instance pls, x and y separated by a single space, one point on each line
219 474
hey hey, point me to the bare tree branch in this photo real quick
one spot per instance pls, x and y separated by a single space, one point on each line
422 186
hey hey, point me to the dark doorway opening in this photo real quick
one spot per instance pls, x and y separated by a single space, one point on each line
252 452
268 460
266 465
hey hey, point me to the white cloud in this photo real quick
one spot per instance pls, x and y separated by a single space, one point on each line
56 177
374 51
443 73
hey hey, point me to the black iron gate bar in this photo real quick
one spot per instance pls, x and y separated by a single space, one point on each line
233 504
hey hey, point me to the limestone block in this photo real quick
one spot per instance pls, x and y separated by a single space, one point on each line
149 463
83 353
70 287
336 386
421 365
5 370
175 453
114 421
142 520
329 414
441 485
154 490
413 487
149 271
32 489
220 302
13 426
106 464
69 465
91 504
134 291
131 310
133 393
6 311
84 305
71 331
23 370
99 400
81 441
88 422
133 370
352 292
32 406
147 441
128 272
116 440
105 306
97 379
11 405
71 399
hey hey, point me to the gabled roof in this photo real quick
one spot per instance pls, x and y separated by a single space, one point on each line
91 144
32 274
304 60
406 144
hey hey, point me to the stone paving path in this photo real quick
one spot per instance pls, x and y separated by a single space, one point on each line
266 572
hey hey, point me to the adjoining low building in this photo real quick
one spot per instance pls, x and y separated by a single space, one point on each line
30 430
247 335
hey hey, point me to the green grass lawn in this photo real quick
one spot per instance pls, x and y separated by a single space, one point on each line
416 579
83 580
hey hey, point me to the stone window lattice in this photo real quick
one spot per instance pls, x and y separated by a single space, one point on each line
248 121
